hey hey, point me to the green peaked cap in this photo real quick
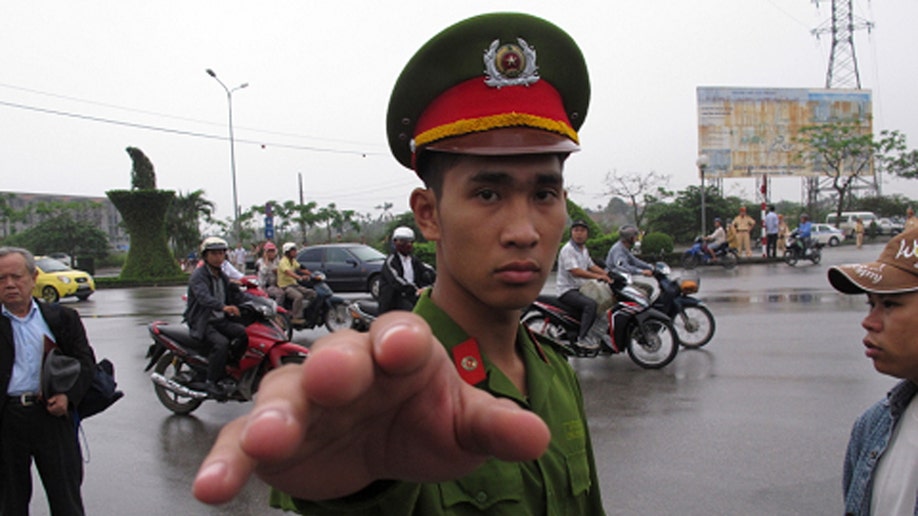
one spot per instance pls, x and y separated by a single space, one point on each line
455 55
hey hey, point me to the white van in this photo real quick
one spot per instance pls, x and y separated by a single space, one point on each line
846 223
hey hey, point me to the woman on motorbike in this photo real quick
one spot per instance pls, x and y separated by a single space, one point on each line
267 273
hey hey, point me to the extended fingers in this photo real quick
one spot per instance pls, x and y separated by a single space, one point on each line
226 468
500 428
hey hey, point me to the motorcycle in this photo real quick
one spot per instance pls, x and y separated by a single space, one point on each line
179 362
696 255
795 250
630 325
363 312
693 321
327 309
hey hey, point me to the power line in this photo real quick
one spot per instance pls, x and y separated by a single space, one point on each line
173 117
183 132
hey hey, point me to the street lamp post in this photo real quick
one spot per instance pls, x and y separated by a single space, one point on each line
229 102
702 164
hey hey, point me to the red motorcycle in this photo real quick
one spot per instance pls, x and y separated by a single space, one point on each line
179 362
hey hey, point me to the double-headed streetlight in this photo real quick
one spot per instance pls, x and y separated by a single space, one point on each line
702 163
229 102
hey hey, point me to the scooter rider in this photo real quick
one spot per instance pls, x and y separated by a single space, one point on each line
289 276
575 267
716 239
212 298
403 274
804 231
621 259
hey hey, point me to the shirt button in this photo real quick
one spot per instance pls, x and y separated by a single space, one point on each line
481 497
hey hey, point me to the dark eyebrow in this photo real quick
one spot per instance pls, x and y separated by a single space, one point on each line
503 178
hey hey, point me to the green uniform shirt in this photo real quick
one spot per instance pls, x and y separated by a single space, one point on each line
561 482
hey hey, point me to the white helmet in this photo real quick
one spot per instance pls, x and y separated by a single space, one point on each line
213 244
403 233
288 246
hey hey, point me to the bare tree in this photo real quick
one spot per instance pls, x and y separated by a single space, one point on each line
638 189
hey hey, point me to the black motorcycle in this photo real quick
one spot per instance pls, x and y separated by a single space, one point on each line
693 321
796 250
327 309
630 325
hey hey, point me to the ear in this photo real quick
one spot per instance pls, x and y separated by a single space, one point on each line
424 205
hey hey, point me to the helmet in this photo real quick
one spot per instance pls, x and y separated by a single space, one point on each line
627 232
804 216
269 246
213 244
403 233
579 223
717 219
288 246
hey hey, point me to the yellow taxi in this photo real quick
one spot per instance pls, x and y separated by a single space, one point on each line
56 280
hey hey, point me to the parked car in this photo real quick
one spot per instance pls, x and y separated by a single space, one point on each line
887 226
847 221
347 267
827 235
56 281
63 258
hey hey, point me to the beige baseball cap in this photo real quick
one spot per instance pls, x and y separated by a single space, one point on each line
894 272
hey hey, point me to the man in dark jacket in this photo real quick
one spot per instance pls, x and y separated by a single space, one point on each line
36 425
211 298
403 274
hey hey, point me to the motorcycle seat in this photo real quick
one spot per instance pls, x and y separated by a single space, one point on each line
180 334
556 301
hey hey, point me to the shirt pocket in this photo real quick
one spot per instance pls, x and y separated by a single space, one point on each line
489 486
578 472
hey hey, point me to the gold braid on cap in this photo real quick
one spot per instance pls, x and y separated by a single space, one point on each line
476 125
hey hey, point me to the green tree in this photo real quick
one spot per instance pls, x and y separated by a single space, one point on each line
63 233
639 189
184 218
845 150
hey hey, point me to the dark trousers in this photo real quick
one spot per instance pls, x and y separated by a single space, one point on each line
587 307
220 334
771 244
31 433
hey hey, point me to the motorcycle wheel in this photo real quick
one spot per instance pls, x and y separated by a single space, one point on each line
790 257
337 317
816 256
729 259
689 260
537 322
169 367
694 326
655 346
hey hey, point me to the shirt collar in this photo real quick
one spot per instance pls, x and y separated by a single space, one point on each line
33 308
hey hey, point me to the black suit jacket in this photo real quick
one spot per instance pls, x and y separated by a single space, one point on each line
393 285
70 336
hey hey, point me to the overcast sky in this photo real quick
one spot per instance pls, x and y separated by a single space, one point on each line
80 81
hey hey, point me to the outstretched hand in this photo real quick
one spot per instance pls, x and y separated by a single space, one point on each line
388 404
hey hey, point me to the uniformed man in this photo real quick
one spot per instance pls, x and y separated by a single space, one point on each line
457 409
743 225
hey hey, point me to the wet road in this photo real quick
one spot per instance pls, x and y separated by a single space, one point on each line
755 423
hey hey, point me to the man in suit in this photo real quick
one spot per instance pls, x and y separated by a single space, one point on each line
403 274
36 425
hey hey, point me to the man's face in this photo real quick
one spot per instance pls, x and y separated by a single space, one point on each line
497 224
215 257
892 339
16 283
579 234
404 246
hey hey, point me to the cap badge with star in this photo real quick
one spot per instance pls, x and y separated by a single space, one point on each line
495 84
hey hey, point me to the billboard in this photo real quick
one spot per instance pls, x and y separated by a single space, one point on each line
750 131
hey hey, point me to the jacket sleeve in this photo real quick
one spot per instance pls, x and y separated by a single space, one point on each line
70 335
